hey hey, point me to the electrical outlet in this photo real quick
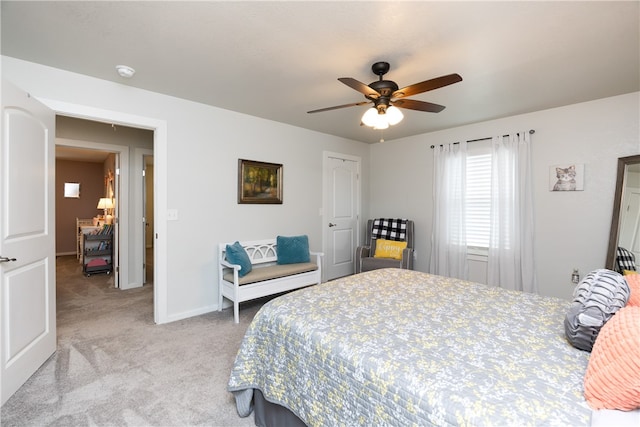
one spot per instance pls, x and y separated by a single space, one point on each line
172 214
575 276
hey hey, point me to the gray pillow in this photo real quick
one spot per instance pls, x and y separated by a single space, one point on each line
596 298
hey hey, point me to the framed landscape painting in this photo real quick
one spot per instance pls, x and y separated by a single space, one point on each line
259 182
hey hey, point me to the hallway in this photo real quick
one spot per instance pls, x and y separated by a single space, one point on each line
82 301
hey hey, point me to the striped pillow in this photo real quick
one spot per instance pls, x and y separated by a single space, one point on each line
596 298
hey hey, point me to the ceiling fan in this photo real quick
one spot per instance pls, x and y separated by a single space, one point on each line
385 94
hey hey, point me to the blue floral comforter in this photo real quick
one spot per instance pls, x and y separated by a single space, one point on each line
401 348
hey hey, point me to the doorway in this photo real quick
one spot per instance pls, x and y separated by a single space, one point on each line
94 172
160 147
96 138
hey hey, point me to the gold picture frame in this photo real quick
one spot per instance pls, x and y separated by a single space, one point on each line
259 182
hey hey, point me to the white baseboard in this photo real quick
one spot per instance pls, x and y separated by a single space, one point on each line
191 313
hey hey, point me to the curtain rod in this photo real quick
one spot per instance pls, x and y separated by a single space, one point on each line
531 132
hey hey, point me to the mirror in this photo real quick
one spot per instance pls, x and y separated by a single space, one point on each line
625 222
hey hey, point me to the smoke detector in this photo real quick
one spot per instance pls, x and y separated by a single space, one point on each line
125 71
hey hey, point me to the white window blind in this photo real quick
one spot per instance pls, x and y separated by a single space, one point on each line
478 203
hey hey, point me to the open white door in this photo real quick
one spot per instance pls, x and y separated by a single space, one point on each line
630 222
341 213
27 241
147 215
116 224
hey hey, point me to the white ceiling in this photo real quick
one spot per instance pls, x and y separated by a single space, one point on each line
80 154
278 60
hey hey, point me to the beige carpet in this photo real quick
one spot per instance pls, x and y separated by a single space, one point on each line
114 366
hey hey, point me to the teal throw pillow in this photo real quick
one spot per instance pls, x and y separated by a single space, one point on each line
292 250
237 255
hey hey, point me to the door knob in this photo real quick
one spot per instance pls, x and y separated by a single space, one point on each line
332 224
5 259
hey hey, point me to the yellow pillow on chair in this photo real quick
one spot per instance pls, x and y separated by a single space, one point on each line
389 249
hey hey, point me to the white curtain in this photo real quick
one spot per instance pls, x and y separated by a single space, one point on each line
448 240
511 260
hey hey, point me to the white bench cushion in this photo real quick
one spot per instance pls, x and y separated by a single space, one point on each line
259 274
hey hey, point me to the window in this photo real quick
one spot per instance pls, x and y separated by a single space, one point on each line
72 190
478 199
485 192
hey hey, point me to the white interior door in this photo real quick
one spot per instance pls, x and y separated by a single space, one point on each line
145 222
27 240
629 236
147 216
341 212
115 253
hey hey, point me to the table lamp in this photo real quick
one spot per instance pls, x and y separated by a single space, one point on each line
106 204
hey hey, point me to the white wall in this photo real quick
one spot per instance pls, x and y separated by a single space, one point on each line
204 144
572 228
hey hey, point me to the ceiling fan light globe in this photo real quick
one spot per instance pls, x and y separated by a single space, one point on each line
370 116
381 122
394 115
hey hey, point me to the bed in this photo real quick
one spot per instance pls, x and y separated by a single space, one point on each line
400 348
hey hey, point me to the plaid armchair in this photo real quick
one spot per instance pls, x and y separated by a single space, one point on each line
400 230
625 260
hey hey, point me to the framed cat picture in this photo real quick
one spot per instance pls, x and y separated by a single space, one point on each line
566 177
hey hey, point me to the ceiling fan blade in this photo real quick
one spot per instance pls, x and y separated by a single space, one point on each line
360 87
355 104
412 104
427 85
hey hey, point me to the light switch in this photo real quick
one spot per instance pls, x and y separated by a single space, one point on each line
172 214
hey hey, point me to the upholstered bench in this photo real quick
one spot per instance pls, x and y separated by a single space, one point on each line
255 269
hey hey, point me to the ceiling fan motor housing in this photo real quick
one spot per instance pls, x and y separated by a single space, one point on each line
385 88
